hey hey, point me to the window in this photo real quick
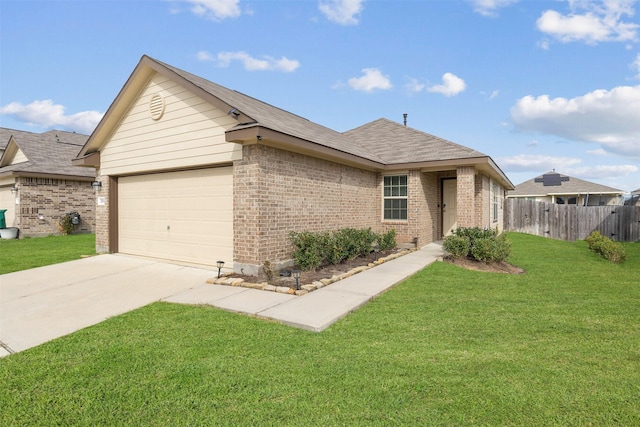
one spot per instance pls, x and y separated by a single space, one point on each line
496 202
395 197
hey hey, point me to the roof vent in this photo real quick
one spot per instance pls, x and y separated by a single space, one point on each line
156 106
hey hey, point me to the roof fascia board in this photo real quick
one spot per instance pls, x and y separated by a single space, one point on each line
88 160
268 137
52 176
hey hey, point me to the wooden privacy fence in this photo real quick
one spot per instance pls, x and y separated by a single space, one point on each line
572 222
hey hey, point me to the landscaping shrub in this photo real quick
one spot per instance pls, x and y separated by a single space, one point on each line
457 246
311 249
481 244
387 240
315 249
605 247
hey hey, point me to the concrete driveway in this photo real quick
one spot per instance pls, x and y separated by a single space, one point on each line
44 303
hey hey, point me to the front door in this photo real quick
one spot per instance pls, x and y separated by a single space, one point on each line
449 202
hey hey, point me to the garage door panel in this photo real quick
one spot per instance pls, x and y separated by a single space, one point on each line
197 206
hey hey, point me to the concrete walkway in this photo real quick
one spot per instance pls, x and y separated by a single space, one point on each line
44 303
319 309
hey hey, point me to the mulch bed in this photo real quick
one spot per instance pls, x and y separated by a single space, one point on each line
491 267
323 272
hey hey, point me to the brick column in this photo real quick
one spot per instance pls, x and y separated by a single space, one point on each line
102 215
466 212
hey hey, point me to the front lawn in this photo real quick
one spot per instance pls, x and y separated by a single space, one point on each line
558 345
16 255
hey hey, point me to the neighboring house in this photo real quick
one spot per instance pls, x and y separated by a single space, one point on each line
194 172
38 183
561 189
634 200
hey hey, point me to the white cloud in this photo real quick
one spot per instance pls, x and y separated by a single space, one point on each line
598 152
371 80
215 10
591 22
609 118
46 114
204 56
537 162
601 171
490 7
343 12
252 64
451 85
415 86
635 65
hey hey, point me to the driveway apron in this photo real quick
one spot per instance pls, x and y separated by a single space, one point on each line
41 304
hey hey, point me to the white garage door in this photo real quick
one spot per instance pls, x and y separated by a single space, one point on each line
182 216
8 202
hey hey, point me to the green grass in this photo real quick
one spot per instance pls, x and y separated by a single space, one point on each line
559 345
22 254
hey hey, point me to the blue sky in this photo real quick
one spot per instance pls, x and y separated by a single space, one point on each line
537 85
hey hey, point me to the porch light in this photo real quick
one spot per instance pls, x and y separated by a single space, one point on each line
97 186
296 275
14 190
219 264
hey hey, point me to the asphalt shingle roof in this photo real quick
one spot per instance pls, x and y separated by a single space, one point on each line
570 186
49 152
396 143
276 119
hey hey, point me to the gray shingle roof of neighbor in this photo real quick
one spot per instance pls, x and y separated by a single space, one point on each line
49 153
396 143
570 186
276 119
636 191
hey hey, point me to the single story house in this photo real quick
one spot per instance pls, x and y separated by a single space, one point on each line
634 200
553 187
38 183
194 172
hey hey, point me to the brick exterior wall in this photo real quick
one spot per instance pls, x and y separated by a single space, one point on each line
423 214
483 201
102 216
276 192
466 212
52 198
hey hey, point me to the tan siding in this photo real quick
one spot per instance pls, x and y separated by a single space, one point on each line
19 158
190 133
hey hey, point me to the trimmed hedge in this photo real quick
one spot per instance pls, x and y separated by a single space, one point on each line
481 244
315 249
606 248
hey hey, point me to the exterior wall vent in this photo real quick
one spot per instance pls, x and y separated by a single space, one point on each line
156 106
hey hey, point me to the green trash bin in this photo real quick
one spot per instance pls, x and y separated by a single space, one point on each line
3 222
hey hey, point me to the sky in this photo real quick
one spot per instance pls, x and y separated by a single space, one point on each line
536 85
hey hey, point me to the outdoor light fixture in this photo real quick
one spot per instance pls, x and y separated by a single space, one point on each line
296 275
97 186
14 189
219 264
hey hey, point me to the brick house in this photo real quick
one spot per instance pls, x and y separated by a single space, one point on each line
38 183
194 172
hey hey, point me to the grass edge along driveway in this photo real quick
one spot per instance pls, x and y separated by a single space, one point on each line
23 254
558 345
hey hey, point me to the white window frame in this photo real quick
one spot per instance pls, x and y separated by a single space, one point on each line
394 192
496 202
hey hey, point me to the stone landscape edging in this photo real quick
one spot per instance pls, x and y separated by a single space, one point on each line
225 280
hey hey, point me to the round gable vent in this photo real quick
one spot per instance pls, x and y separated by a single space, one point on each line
156 106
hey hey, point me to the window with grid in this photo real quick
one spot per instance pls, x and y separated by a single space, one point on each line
395 197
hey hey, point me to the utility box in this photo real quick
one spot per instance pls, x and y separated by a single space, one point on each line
3 221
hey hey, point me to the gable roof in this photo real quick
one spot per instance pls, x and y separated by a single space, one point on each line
560 184
380 145
48 153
